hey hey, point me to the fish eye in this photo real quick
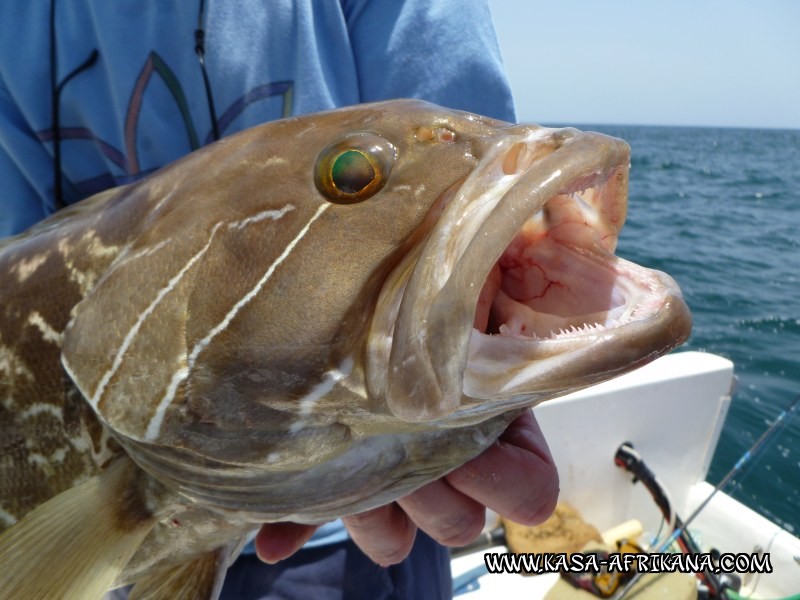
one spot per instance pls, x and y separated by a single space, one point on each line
354 168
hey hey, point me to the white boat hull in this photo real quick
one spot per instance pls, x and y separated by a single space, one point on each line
672 412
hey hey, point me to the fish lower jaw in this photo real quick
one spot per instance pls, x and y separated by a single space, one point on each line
622 316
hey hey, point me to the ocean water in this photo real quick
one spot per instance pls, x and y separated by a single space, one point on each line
719 210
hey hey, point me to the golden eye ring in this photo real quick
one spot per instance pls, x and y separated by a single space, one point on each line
354 168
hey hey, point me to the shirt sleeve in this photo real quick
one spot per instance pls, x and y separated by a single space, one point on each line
443 51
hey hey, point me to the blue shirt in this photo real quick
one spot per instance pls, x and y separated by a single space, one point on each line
142 103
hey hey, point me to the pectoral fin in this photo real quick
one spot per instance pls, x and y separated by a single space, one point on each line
200 579
75 545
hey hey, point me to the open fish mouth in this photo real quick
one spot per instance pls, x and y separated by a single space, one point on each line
517 294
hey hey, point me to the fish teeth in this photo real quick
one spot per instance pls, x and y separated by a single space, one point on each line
584 328
571 330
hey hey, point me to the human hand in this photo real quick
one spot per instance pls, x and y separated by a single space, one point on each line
515 477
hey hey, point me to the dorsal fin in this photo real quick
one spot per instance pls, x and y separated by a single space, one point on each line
75 545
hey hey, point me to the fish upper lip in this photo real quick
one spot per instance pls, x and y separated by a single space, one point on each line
436 342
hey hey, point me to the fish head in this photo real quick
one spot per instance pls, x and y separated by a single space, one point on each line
516 295
370 273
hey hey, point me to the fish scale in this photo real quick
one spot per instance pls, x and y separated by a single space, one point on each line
36 394
186 357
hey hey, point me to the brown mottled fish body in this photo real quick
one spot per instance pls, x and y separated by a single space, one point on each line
353 303
44 274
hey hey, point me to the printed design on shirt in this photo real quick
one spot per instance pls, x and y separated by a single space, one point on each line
127 160
154 64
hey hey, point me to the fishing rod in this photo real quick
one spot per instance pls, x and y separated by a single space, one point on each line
681 529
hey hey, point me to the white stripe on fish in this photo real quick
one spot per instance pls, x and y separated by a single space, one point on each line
97 396
154 426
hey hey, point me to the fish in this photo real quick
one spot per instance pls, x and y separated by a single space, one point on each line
307 319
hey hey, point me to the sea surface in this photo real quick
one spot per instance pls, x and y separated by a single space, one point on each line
719 210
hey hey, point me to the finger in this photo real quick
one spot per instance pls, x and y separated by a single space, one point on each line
276 541
515 477
385 534
444 513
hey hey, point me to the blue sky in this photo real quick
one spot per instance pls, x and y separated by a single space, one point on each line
677 62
